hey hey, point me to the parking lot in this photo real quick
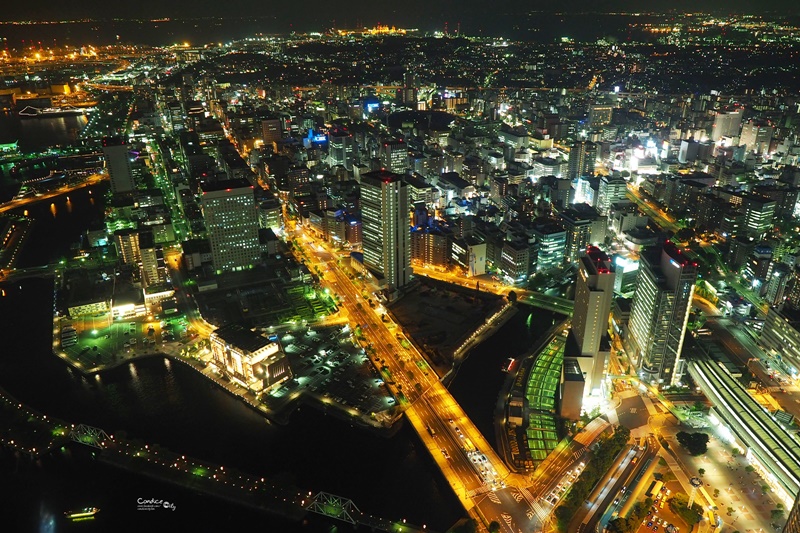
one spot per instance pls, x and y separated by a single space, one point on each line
660 517
95 340
328 367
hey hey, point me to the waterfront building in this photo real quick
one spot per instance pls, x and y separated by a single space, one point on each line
248 358
231 220
118 163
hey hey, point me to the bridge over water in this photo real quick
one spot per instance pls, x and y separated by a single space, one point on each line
27 431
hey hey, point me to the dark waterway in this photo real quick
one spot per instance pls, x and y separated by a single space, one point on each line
171 405
478 382
36 134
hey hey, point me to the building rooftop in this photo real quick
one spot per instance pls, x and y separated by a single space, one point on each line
241 337
572 370
222 185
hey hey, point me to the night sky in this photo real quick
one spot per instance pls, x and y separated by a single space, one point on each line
348 12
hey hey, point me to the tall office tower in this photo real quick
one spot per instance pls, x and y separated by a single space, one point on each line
727 123
612 189
340 149
386 232
759 212
229 212
118 162
409 88
600 115
153 268
271 131
551 241
583 227
776 284
127 244
394 156
660 311
582 157
594 292
689 151
756 136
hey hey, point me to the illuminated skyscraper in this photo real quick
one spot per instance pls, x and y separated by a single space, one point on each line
759 212
386 232
727 124
127 244
612 189
340 149
756 136
659 313
153 268
118 163
395 156
594 292
600 115
231 219
582 158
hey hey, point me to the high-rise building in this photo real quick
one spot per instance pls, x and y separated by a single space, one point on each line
229 212
551 241
756 136
600 115
689 151
271 131
582 157
727 123
118 162
394 156
127 244
594 292
431 246
386 232
660 311
583 226
153 268
759 212
612 189
340 149
776 283
409 88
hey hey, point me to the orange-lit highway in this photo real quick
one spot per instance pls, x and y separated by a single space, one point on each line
477 475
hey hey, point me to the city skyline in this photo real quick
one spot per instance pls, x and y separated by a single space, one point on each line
400 277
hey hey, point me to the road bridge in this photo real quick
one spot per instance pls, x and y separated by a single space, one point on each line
345 510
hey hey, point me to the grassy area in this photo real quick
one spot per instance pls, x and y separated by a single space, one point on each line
679 504
631 523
